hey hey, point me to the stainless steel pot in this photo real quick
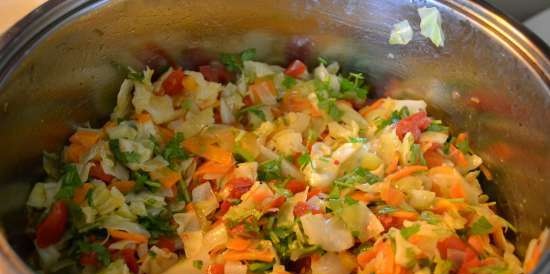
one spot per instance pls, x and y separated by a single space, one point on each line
491 79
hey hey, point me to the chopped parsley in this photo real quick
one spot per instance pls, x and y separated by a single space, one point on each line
234 62
123 157
69 182
304 160
360 140
357 176
416 157
481 226
173 150
157 225
288 82
198 264
395 117
255 109
101 252
407 232
437 126
270 170
260 267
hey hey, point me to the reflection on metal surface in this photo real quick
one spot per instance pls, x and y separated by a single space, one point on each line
490 80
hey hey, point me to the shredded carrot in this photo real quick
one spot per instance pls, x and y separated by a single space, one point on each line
444 205
405 215
457 190
123 235
259 255
212 167
417 239
74 152
478 242
238 244
80 193
143 117
389 260
363 196
86 138
458 157
366 256
534 260
393 165
486 172
260 88
392 196
462 137
125 186
166 176
108 125
166 133
433 158
367 109
208 150
405 171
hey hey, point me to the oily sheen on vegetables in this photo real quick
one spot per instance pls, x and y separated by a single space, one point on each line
246 167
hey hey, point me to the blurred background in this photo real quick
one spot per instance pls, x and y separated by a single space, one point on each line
535 14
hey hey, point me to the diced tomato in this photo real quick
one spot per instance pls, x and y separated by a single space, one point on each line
278 202
433 157
166 243
53 227
173 84
247 101
224 207
215 269
471 261
296 186
237 230
295 69
414 124
216 73
301 208
96 171
129 256
390 221
88 258
239 186
452 242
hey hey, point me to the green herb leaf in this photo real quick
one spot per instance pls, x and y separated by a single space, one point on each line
360 140
288 82
198 264
304 160
349 201
437 126
260 267
173 150
356 176
270 170
481 226
322 61
407 232
326 102
123 157
429 217
101 252
90 196
464 146
255 109
157 225
416 157
69 182
234 62
395 117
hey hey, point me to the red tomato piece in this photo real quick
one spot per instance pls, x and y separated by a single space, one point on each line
296 186
301 208
216 73
247 101
173 84
129 256
215 269
96 171
278 202
53 227
239 186
452 242
295 69
88 258
166 243
414 124
471 260
224 207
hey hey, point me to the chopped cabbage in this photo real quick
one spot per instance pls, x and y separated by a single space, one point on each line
330 263
117 222
331 234
430 25
116 267
401 34
104 200
194 122
157 261
43 195
287 142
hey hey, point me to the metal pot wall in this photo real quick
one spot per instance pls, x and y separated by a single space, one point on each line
491 79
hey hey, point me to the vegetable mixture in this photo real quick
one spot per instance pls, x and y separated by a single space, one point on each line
246 167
